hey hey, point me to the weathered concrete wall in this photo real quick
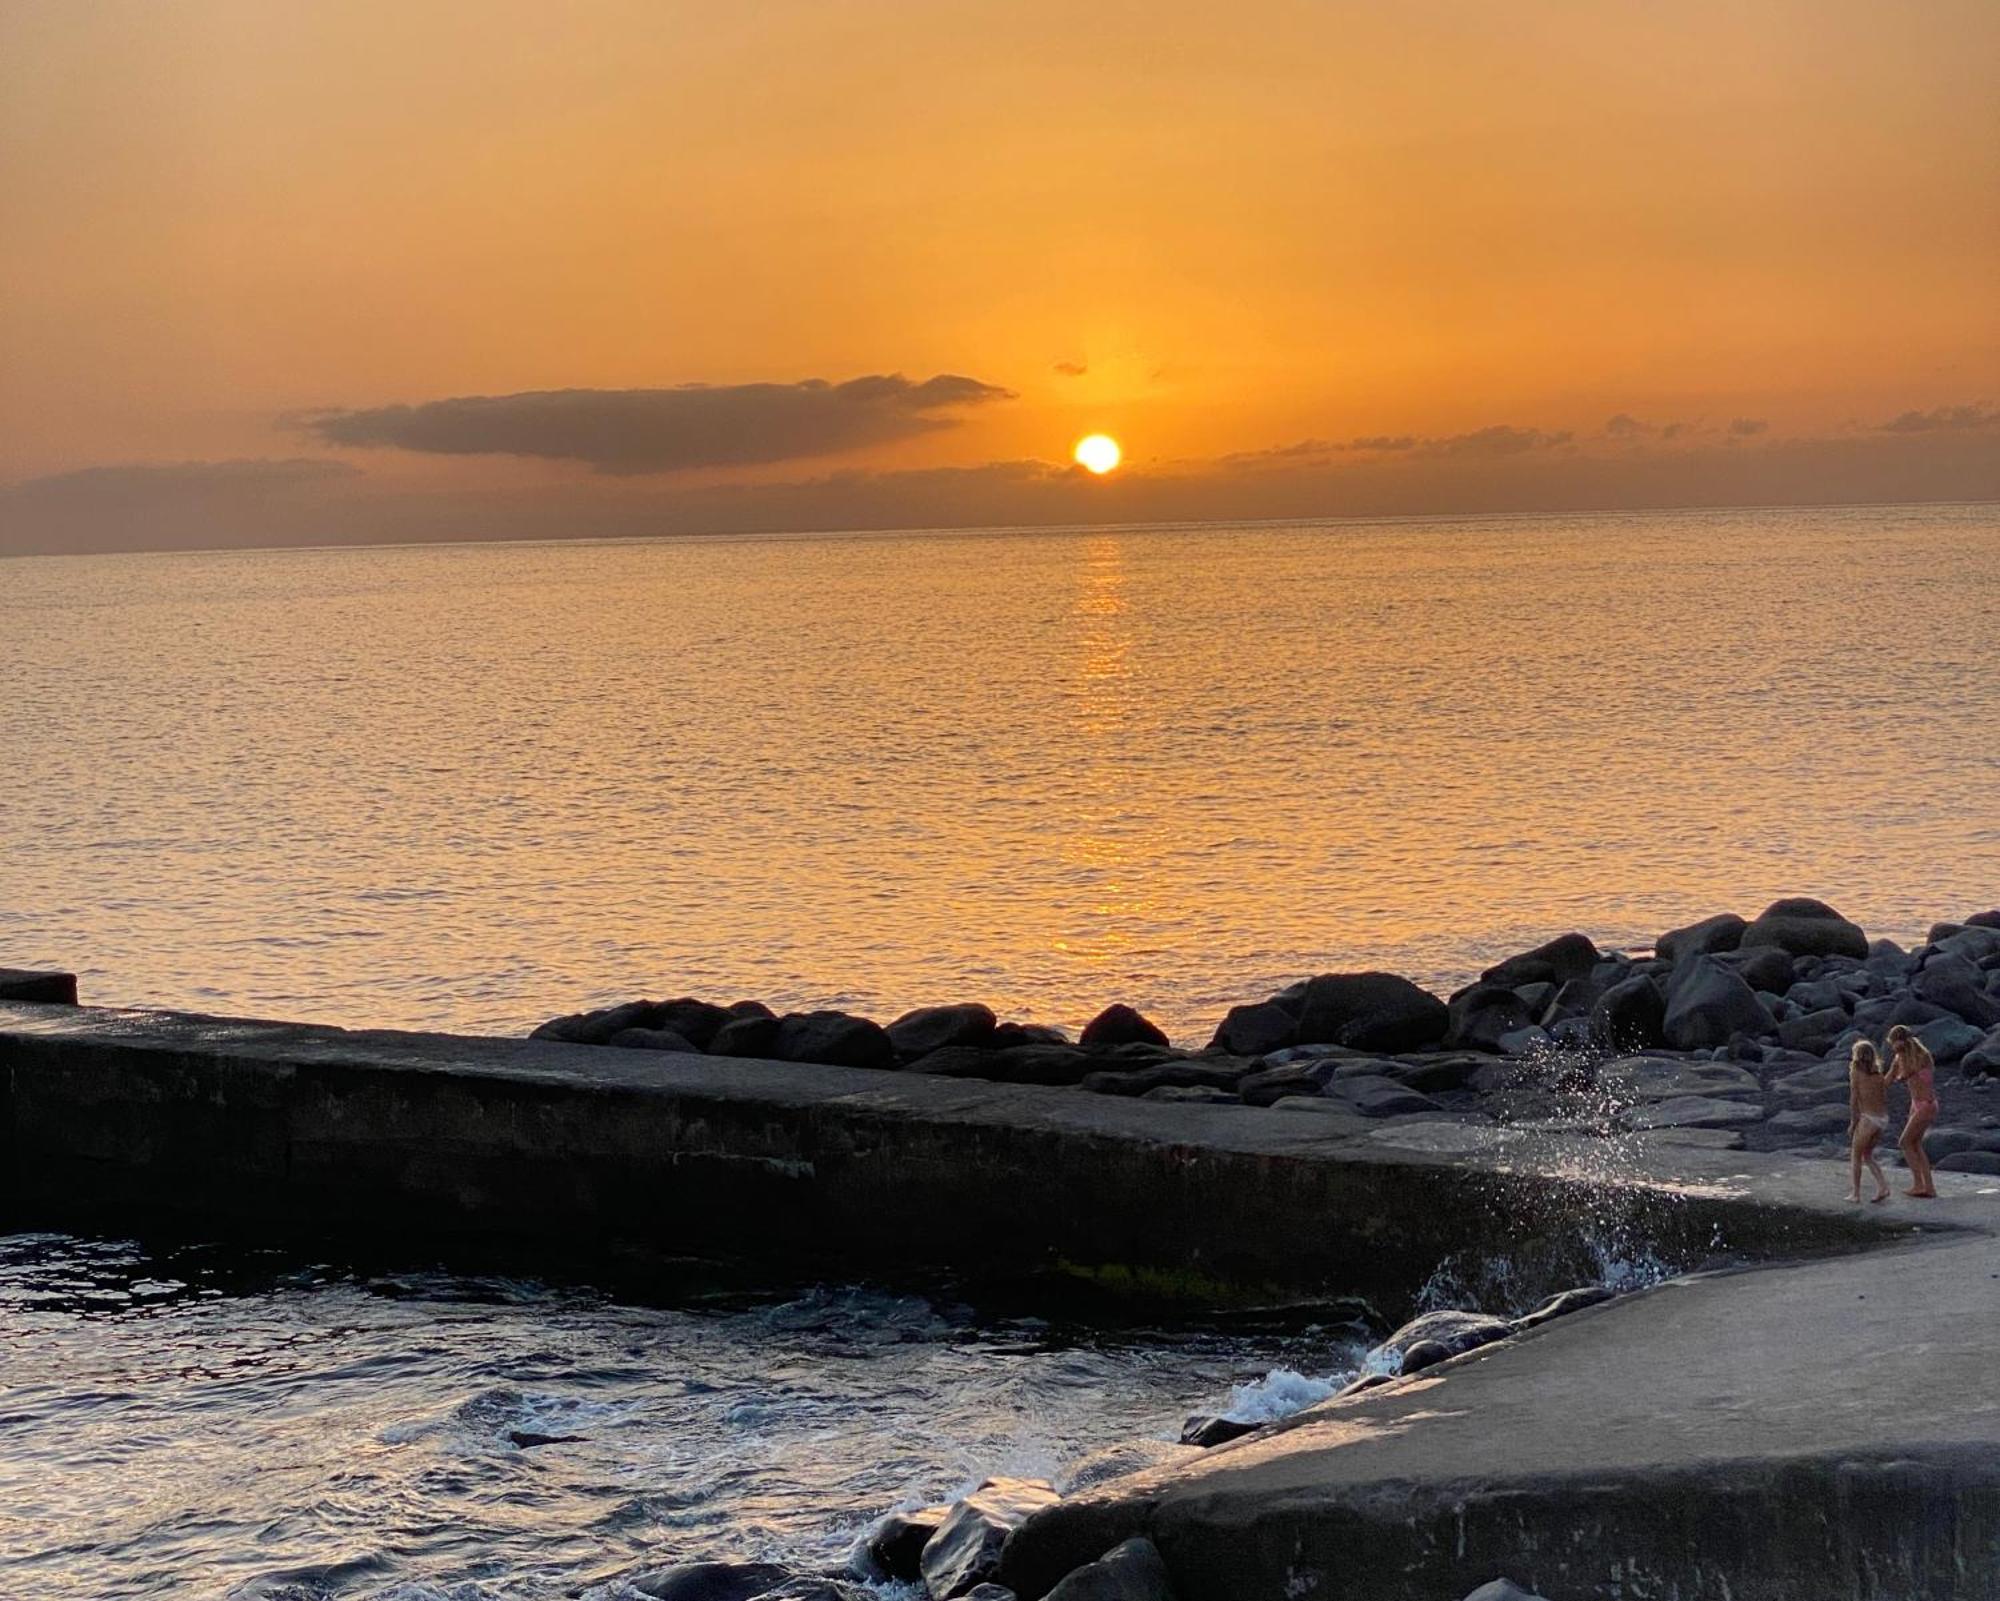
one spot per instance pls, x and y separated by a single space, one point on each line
131 1118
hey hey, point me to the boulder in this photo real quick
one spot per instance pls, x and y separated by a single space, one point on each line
1190 1094
1708 1003
1256 1030
1806 927
709 1581
1018 1064
49 987
1949 1038
895 1546
1706 1139
1950 1141
1009 1035
965 1551
1987 1162
1205 1431
933 1028
1630 1016
1983 1060
1810 1122
990 1592
1691 1111
1762 967
834 1039
1958 985
1818 994
695 1021
1381 1097
1723 932
1433 1073
1525 1041
1662 1078
1563 958
1119 1024
1129 1572
652 1039
596 1028
1121 1460
749 1035
1222 1073
1272 1084
1563 1304
1814 1031
1479 1014
1370 1012
1456 1332
1976 944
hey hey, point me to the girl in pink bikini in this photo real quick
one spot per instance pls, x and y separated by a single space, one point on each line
1911 1063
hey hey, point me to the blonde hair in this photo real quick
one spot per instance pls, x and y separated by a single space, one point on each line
1865 1057
1900 1035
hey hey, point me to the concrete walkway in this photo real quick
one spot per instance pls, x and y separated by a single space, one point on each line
1827 1431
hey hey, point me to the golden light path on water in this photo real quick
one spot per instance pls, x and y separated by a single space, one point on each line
474 786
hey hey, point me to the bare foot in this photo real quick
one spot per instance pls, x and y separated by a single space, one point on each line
1921 1195
1854 1195
1877 1200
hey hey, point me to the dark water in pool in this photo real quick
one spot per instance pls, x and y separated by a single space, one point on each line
200 1425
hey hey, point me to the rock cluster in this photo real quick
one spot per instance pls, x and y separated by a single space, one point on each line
1730 1031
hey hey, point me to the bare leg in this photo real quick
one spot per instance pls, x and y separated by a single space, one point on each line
1854 1160
1922 1184
1874 1167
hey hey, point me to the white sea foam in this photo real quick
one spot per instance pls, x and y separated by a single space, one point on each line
1279 1394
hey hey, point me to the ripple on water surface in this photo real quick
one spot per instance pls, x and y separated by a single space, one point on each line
203 1425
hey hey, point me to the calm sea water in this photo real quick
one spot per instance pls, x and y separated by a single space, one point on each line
475 785
204 1428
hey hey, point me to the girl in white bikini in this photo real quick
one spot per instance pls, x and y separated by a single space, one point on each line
1868 1116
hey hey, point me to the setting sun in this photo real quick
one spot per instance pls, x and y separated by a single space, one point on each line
1098 452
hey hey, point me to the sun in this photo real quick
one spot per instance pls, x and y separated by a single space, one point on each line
1098 452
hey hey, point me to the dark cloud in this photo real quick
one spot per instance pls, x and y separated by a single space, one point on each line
1626 426
1746 427
1385 442
1072 369
664 430
1942 417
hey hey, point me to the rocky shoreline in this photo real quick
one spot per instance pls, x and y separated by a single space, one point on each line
1729 1032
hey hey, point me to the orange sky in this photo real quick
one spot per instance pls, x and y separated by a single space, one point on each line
1250 226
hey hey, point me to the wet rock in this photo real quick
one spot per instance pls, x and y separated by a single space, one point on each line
529 1439
1563 958
1425 1354
1191 1095
1119 1024
1691 1111
1455 1332
1720 933
1705 1139
709 1581
990 1592
1987 1162
1806 927
965 1551
1370 1012
1129 1572
1435 1074
1121 1460
1950 1038
1708 1003
596 1028
895 1546
1630 1016
1204 1430
1478 1015
747 1036
1337 1116
933 1028
834 1039
1272 1084
1563 1304
1256 1030
652 1039
737 1009
1525 1041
